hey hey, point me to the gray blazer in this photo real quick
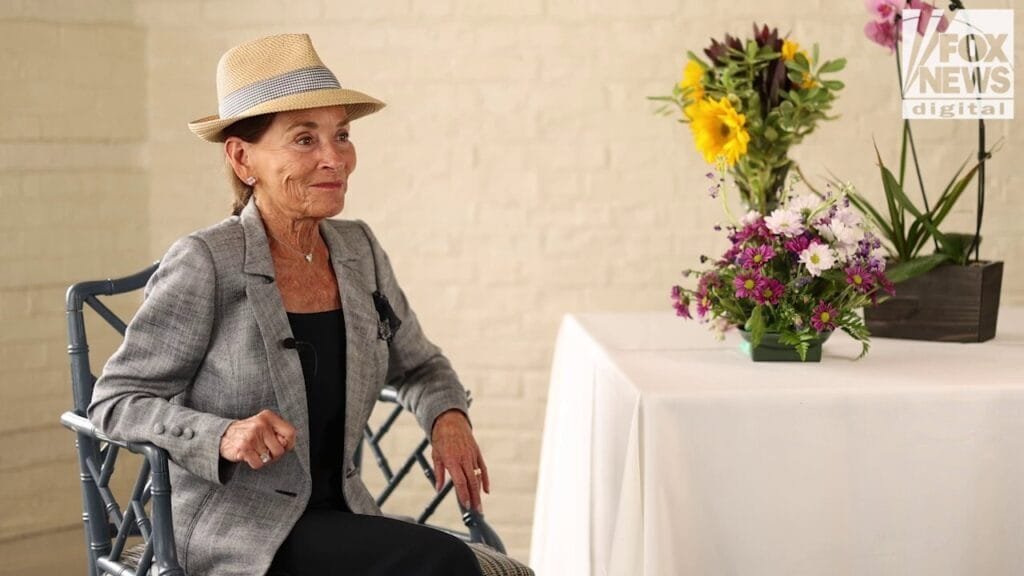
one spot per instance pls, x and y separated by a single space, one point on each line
205 349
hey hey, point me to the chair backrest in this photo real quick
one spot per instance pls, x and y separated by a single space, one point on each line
108 525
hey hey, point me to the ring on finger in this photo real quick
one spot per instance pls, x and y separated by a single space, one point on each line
477 471
264 457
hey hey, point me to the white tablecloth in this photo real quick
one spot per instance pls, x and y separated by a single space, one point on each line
667 452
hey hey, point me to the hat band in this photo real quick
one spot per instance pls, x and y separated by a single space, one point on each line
294 82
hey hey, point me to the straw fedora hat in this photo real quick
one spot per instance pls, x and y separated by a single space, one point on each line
276 74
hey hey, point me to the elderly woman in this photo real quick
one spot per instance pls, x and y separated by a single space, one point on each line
263 341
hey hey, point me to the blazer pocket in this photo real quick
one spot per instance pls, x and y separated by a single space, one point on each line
187 541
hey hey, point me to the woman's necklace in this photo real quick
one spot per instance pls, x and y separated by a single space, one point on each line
307 255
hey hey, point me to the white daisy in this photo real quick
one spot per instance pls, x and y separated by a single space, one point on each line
804 202
817 258
786 222
750 218
848 216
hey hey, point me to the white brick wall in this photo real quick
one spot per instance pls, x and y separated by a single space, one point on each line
518 173
74 195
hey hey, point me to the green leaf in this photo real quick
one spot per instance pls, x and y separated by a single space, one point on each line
892 189
958 247
902 271
832 66
834 85
924 219
801 62
756 326
853 325
950 196
862 204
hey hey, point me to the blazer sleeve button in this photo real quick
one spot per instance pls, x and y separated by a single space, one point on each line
188 433
175 431
158 428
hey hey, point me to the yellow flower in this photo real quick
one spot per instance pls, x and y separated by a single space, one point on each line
790 49
719 131
693 80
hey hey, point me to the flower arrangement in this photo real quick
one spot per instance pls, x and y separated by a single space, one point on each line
906 227
749 102
801 271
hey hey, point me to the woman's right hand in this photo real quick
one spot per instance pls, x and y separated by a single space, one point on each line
257 440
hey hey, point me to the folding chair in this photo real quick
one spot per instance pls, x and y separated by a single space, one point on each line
138 538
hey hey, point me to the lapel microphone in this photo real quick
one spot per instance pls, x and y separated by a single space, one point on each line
297 345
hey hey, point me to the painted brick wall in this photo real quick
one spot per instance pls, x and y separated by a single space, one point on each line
518 173
74 194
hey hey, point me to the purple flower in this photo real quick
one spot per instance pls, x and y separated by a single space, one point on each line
860 278
926 15
757 229
884 10
709 279
756 256
886 28
730 256
703 304
746 284
769 291
681 302
885 284
798 244
885 34
824 317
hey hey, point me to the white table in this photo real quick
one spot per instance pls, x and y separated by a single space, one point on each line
667 452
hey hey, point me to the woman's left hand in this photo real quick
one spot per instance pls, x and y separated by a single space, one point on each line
454 449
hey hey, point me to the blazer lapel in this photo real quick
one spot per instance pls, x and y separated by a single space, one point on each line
268 309
347 252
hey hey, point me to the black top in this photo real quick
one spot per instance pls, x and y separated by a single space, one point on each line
320 342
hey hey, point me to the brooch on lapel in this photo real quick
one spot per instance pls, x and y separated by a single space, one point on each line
387 321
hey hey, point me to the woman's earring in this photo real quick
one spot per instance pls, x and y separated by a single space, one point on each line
250 181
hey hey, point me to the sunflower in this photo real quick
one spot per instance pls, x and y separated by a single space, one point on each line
693 80
718 130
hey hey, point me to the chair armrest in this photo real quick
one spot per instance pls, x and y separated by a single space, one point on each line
481 531
155 456
83 425
158 533
388 394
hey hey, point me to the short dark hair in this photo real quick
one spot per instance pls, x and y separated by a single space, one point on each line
250 130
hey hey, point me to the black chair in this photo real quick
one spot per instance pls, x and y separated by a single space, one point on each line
138 538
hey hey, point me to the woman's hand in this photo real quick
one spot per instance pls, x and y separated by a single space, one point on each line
258 440
454 449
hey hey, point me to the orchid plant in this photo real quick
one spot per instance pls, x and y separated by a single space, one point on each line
748 102
906 227
801 271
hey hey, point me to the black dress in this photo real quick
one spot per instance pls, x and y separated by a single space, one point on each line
328 539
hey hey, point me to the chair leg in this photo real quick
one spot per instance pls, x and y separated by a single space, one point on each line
97 532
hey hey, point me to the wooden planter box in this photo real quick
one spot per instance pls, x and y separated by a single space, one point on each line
948 304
